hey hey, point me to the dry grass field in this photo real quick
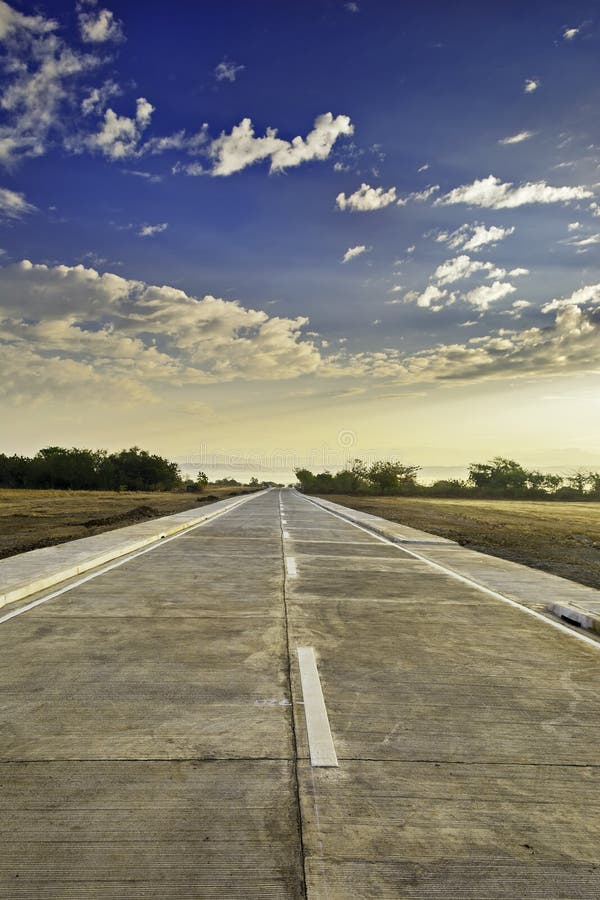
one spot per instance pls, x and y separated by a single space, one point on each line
31 519
562 538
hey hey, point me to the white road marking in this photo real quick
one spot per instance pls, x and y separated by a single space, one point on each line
290 566
115 565
484 590
286 535
320 741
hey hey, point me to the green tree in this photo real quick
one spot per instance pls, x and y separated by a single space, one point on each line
389 477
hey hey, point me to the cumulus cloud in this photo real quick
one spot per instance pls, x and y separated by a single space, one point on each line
462 267
458 268
366 198
589 295
79 327
151 230
531 85
571 344
13 205
517 138
491 193
99 26
482 296
474 237
353 252
119 136
70 331
429 298
241 148
570 33
227 71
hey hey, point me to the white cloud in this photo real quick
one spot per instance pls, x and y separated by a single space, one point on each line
13 205
136 336
97 99
531 85
517 138
482 296
474 237
119 136
11 20
227 71
151 230
193 169
587 295
428 298
351 6
99 26
458 268
491 193
423 168
568 346
574 226
352 252
193 144
419 196
239 149
40 84
366 198
584 242
147 176
570 33
516 273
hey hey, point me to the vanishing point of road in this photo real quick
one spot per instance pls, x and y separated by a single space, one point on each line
154 736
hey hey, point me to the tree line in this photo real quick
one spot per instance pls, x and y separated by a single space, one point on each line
499 478
92 470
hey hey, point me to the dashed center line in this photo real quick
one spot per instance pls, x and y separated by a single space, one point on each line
290 567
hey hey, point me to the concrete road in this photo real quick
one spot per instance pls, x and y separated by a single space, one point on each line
154 738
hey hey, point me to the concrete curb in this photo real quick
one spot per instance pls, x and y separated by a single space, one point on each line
28 573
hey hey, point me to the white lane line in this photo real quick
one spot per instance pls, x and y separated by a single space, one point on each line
290 566
286 535
320 741
115 565
484 590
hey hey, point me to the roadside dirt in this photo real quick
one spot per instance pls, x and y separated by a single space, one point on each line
33 519
562 538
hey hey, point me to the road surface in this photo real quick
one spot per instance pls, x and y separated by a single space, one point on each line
154 742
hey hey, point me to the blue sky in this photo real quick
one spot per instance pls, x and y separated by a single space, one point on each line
187 254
